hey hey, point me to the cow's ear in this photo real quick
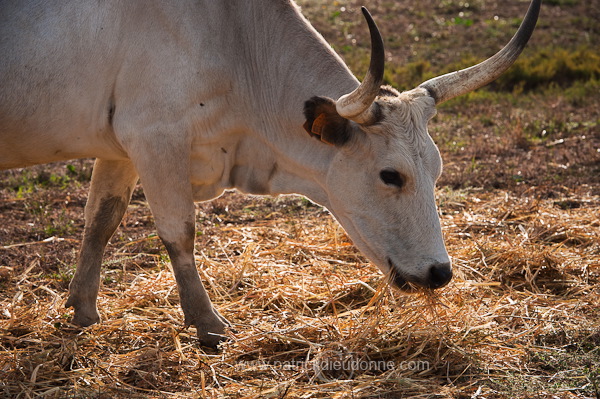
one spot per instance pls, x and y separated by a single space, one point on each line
323 121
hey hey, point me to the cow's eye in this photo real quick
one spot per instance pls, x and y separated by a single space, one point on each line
391 178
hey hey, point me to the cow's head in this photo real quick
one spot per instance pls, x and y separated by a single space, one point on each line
381 182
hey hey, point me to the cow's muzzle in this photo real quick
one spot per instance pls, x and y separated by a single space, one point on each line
438 275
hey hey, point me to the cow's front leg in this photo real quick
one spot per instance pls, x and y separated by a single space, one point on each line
110 193
169 193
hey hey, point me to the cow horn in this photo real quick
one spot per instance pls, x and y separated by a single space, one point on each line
358 105
448 86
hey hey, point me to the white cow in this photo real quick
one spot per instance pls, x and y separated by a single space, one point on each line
195 97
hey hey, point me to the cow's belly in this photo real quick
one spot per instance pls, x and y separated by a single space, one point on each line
46 120
34 156
39 141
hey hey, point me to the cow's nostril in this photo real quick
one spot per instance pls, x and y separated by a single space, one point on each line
440 274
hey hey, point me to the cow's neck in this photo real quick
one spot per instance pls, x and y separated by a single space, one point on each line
286 62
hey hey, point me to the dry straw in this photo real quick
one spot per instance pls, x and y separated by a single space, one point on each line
312 318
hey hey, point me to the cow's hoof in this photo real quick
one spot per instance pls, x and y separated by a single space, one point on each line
211 330
85 320
83 316
211 340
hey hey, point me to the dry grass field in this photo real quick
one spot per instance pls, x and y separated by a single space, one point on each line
520 208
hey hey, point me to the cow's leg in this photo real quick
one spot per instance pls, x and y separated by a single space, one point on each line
165 179
110 193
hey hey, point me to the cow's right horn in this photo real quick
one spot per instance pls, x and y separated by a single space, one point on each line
446 87
358 105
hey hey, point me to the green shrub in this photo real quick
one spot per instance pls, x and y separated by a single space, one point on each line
543 69
551 66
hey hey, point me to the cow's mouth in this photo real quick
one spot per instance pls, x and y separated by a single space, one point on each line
399 281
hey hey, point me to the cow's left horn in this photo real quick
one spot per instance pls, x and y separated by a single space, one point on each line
446 87
358 105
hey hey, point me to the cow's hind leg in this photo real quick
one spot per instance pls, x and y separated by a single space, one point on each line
110 193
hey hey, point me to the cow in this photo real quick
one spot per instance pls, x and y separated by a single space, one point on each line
196 97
